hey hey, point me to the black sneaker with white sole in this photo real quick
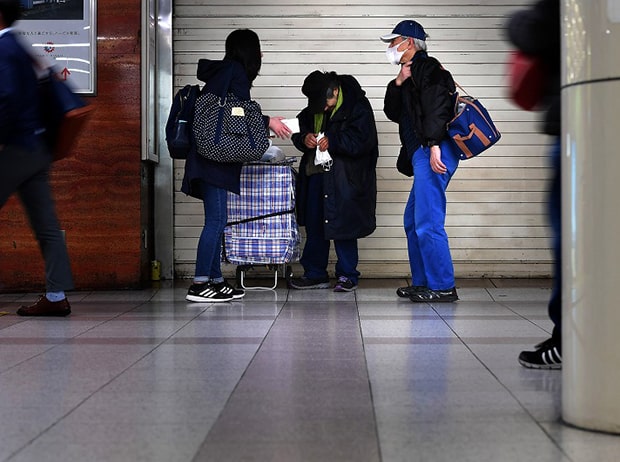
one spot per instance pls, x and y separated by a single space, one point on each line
406 292
436 296
547 355
304 283
206 293
225 288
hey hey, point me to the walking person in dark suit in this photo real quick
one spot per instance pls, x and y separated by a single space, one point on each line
536 31
25 163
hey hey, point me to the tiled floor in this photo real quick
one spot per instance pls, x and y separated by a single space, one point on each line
286 376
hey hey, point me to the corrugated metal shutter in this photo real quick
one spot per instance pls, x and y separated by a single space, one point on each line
496 211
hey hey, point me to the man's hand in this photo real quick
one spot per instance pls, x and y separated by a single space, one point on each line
404 74
436 164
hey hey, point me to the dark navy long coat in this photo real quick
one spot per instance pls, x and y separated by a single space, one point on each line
350 186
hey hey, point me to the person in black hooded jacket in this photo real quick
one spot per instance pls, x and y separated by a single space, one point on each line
421 100
209 181
536 31
336 199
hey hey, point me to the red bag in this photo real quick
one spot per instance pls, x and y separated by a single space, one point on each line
528 79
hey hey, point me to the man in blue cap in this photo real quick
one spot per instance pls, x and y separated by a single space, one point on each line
421 101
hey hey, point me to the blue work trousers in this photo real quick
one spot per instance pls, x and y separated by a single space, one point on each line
316 250
424 220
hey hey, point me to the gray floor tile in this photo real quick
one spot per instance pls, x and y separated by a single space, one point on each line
506 294
406 328
141 408
105 451
364 451
400 307
510 440
504 328
286 375
581 445
16 434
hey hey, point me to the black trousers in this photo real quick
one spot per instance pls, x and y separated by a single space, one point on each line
26 172
555 219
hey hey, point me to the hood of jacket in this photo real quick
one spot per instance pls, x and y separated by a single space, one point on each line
223 76
351 88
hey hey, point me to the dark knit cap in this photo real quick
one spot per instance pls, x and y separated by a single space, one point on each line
315 88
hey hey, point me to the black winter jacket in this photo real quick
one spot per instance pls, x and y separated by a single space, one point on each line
350 185
537 31
427 97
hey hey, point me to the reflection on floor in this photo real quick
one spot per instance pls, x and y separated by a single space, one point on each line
286 376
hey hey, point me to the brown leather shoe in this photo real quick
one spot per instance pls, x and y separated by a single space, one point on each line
43 307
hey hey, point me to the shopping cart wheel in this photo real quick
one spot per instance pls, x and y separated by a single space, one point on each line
239 275
288 275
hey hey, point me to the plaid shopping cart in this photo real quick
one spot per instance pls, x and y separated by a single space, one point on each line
262 227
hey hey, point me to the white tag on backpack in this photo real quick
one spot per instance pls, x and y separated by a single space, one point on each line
238 111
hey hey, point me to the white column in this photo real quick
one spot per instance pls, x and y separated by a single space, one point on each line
591 214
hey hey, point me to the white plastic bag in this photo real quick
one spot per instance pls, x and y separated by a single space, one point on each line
273 154
322 157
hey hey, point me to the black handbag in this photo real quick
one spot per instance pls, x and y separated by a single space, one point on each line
229 129
403 163
63 113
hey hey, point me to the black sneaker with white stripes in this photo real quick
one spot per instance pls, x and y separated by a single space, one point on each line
225 288
206 292
548 355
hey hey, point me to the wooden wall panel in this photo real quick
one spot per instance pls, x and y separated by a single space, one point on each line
98 189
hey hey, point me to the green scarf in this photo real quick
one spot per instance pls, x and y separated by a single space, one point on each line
318 118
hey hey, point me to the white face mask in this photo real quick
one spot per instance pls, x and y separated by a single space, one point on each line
393 55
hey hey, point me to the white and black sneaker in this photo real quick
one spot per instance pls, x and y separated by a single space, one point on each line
206 292
225 288
548 355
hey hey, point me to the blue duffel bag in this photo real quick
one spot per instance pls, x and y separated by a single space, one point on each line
472 128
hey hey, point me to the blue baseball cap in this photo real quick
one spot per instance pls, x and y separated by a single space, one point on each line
407 28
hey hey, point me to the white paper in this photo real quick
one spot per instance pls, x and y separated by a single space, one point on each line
292 124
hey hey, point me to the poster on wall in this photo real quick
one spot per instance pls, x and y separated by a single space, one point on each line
62 34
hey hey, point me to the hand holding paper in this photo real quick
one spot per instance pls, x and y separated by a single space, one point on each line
291 124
